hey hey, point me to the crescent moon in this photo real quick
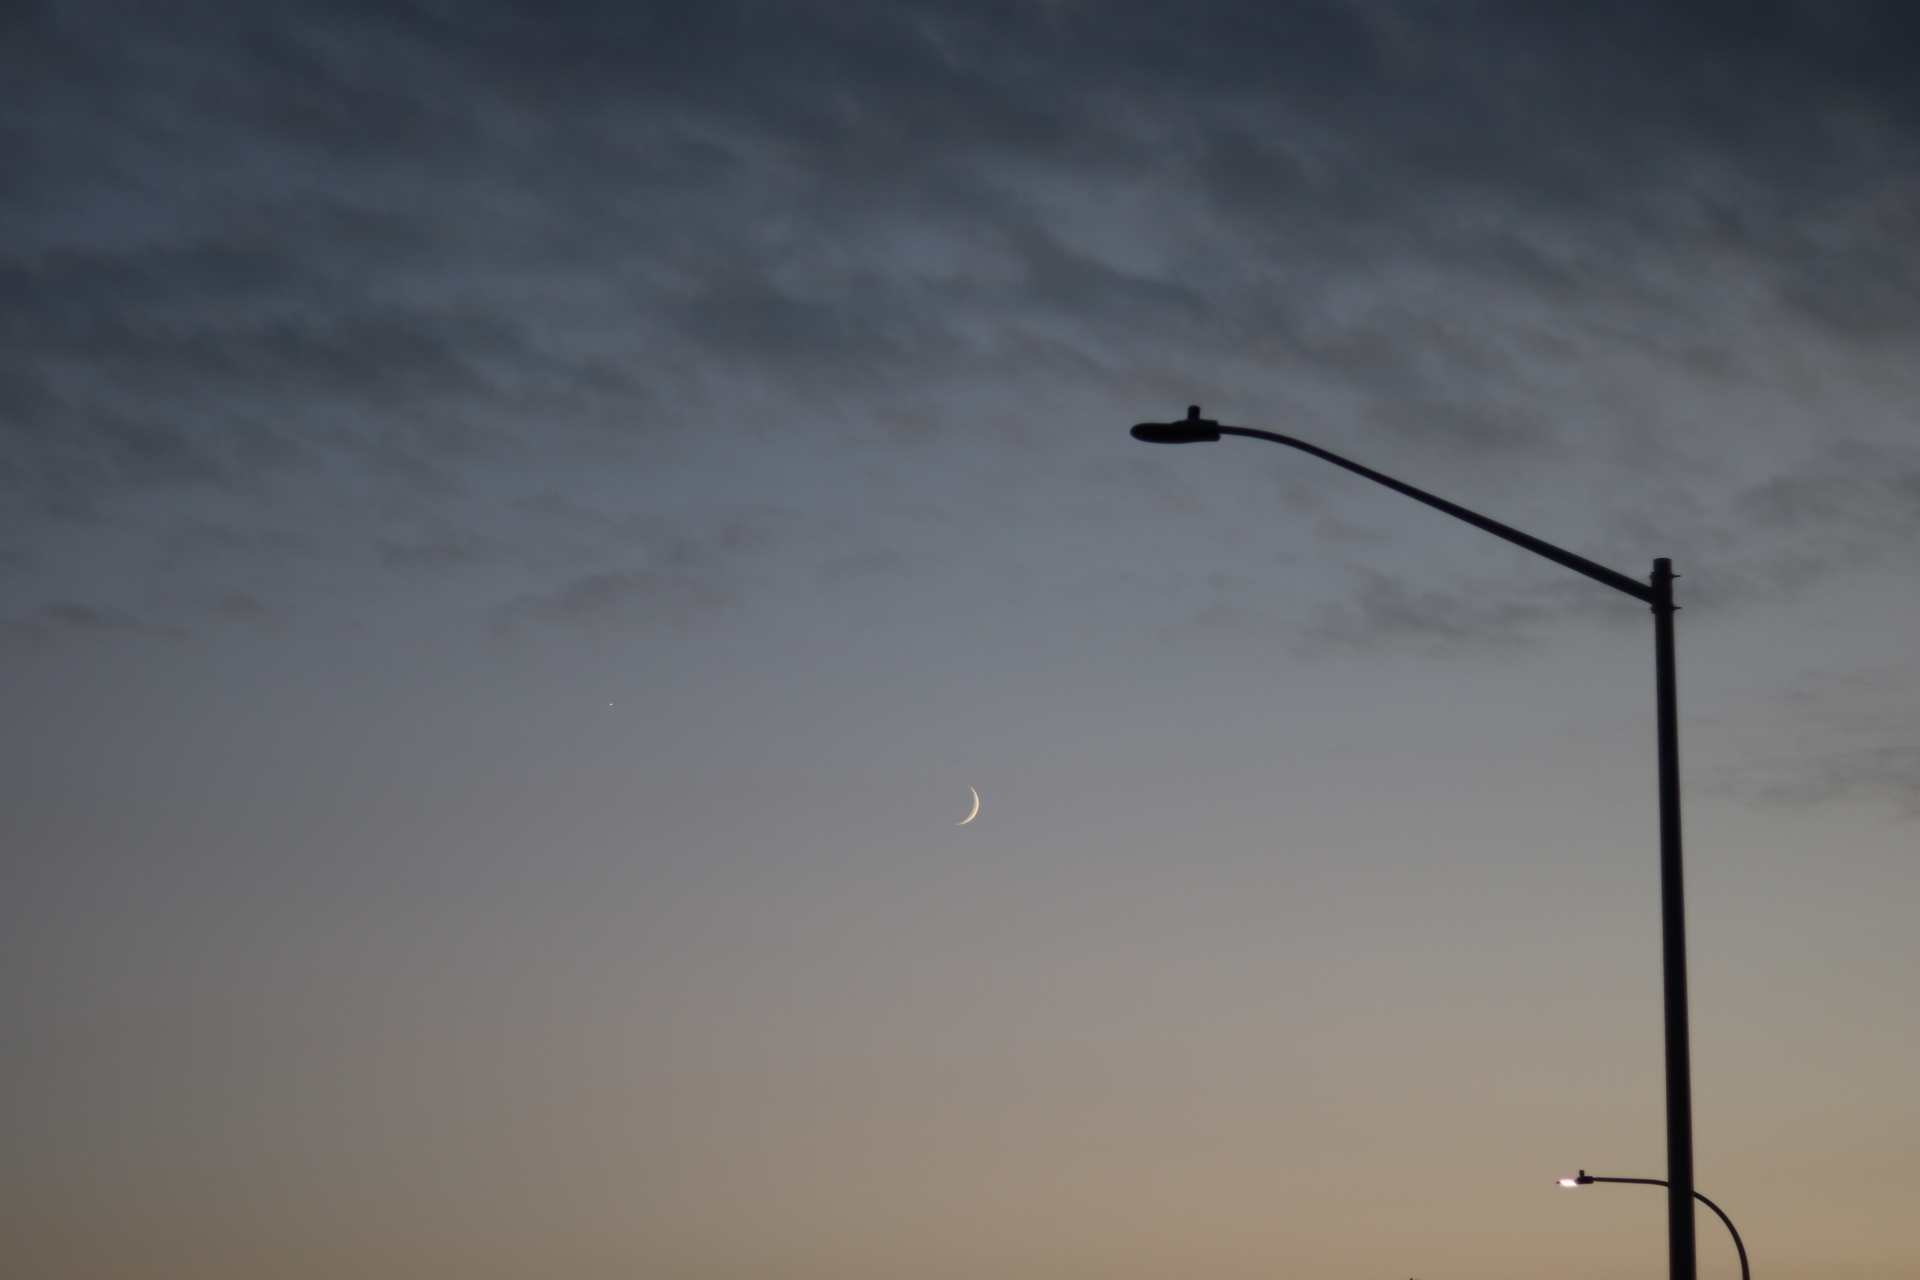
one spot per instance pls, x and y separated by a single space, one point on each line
976 810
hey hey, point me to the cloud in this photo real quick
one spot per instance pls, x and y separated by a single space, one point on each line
60 620
1889 771
1388 614
1849 489
1826 735
435 263
660 575
644 594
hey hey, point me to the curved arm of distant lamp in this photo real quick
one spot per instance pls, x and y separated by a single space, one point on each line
1194 429
1584 1178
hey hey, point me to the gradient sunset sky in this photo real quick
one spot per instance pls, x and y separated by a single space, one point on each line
521 524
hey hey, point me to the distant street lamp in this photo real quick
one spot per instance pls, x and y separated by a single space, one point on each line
1658 593
1586 1178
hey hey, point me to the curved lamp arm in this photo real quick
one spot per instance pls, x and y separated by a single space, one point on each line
1194 429
1584 1178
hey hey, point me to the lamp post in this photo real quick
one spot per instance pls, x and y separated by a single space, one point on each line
1657 593
1586 1179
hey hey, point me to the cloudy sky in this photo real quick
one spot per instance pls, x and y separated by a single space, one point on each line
520 524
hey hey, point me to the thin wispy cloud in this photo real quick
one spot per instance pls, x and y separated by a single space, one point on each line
448 257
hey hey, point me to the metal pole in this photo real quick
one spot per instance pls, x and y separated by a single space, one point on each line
1673 940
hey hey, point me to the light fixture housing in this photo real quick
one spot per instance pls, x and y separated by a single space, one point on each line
1192 429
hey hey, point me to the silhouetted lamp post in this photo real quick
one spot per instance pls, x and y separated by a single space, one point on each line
1587 1179
1657 592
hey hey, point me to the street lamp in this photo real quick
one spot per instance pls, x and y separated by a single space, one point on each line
1657 593
1585 1179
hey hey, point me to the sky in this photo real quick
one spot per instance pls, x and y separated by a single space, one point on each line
521 525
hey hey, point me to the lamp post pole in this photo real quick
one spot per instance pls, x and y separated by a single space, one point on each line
1658 594
1673 940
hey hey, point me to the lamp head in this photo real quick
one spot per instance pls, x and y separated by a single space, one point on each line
1193 429
1581 1181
